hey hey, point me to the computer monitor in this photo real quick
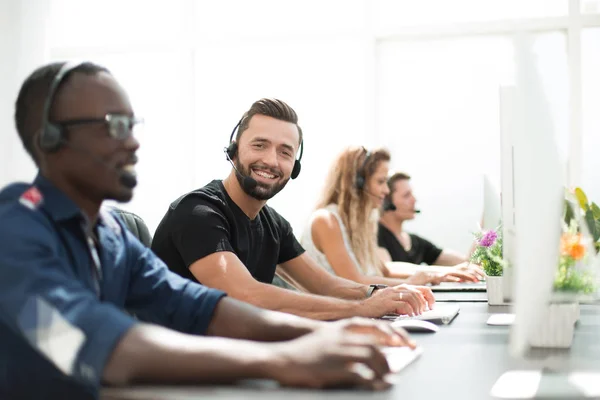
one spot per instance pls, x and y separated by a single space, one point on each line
492 212
532 197
532 208
509 126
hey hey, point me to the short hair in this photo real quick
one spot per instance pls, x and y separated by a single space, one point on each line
273 108
398 176
29 106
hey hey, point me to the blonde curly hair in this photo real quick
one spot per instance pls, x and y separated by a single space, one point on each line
354 205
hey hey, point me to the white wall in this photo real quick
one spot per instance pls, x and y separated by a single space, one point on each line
23 48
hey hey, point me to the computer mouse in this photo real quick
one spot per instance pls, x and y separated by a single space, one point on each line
416 325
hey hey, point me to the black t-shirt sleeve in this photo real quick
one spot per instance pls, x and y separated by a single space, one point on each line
429 251
387 240
289 247
204 230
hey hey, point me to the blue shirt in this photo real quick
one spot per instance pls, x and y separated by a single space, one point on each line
60 319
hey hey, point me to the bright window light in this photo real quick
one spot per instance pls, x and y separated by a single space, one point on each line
438 112
390 14
591 112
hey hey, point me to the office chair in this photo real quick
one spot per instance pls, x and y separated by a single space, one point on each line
135 224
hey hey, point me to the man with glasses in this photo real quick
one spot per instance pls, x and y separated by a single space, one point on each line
68 268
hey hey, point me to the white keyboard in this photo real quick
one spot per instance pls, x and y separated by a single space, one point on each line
442 313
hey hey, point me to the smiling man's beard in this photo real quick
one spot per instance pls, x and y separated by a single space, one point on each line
261 191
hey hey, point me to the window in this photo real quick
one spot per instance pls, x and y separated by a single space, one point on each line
438 104
391 15
591 113
419 77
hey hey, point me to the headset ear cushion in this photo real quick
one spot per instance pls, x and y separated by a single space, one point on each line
387 204
296 170
232 149
360 182
51 138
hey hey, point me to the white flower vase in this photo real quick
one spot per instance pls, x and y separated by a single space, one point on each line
557 326
494 290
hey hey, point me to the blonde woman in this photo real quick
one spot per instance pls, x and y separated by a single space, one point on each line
342 233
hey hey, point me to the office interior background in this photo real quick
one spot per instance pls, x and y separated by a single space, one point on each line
419 78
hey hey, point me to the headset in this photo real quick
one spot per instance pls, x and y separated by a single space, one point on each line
389 206
51 135
231 151
360 172
387 203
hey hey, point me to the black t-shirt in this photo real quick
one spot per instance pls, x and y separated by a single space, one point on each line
421 251
207 221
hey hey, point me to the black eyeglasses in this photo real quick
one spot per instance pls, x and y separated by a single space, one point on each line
119 126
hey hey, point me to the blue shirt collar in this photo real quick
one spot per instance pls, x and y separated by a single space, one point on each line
55 201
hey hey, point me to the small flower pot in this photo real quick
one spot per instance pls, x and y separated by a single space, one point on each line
557 326
494 290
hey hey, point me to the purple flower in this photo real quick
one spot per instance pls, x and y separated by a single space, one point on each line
488 239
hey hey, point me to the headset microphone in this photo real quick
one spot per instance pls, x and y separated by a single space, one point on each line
389 206
126 178
370 194
248 183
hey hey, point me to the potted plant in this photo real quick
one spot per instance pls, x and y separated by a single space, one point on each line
576 277
579 243
488 254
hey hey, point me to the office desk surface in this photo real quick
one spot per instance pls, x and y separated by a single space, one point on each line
462 361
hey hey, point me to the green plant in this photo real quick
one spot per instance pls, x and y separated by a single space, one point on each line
572 274
591 214
488 251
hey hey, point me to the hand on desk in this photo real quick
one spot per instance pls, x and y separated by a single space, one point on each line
401 299
328 357
459 273
473 269
383 331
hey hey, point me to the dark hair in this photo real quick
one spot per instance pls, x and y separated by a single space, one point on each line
398 176
29 106
273 108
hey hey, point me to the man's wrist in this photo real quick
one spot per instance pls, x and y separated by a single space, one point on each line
373 288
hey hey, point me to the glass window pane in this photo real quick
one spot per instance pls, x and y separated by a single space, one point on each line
214 19
591 113
390 14
438 113
75 23
590 6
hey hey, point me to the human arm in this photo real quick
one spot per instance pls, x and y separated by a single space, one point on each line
157 295
49 306
426 252
449 257
154 354
224 271
328 238
424 274
457 261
